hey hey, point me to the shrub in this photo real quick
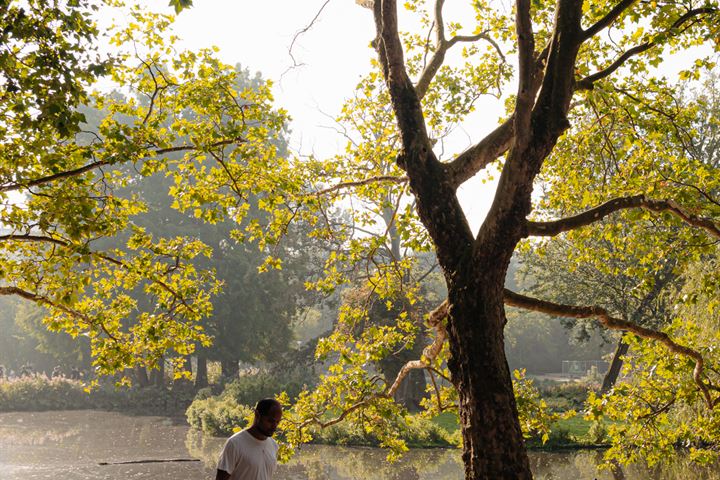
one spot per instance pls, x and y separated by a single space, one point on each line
248 389
561 397
38 393
217 416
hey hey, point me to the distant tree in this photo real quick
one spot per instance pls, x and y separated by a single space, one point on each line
555 275
50 348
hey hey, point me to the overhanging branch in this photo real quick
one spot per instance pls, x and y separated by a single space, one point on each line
550 229
44 301
613 323
360 183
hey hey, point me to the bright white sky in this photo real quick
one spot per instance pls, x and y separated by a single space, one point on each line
334 54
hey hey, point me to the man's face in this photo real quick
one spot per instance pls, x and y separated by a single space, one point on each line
267 424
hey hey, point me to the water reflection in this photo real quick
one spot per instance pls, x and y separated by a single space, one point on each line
70 446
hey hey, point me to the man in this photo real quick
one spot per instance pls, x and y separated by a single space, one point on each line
251 454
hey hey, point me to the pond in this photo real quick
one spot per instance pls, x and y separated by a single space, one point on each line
91 445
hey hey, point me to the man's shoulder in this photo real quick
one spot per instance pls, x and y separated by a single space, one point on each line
239 435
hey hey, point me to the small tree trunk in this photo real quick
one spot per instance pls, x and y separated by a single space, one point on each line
201 378
141 377
158 375
614 371
229 369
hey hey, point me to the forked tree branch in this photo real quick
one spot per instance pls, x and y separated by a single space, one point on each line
528 303
550 229
442 45
435 320
430 353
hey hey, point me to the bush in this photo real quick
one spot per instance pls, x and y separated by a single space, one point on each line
217 416
561 397
248 389
38 393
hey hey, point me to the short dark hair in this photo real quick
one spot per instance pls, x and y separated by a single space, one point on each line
264 406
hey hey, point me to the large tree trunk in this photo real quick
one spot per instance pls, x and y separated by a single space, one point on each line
493 446
201 377
614 371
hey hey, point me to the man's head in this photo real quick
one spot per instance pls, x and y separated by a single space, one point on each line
268 413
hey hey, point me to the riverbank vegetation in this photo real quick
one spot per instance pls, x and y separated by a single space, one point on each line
39 393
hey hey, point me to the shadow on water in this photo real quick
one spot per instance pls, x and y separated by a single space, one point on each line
72 446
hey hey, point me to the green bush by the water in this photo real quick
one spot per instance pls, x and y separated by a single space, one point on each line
248 389
220 415
217 416
39 393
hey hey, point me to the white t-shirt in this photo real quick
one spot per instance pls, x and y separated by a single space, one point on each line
245 457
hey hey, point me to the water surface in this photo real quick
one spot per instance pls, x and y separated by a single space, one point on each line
73 445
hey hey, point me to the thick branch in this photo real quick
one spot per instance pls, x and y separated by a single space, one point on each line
405 100
480 155
521 301
526 60
598 213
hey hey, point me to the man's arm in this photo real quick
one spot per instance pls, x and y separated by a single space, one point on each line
222 475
